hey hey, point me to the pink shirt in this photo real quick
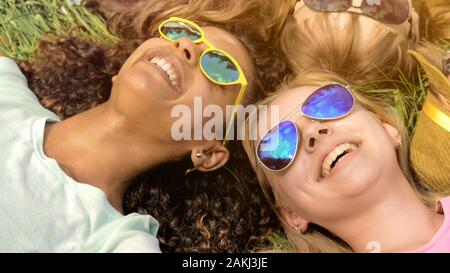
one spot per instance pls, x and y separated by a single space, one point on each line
441 240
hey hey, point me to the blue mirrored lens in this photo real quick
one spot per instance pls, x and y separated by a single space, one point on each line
278 147
328 102
219 67
176 30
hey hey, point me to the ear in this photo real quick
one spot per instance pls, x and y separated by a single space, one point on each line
113 80
393 133
209 157
293 220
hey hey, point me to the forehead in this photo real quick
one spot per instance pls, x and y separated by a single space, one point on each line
282 107
292 99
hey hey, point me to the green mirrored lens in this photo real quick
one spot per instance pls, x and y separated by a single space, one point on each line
219 67
175 30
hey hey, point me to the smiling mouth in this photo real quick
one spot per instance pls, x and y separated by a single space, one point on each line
167 68
335 156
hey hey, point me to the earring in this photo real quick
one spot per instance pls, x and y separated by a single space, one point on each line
298 229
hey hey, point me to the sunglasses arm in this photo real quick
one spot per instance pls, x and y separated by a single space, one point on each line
206 42
233 113
298 106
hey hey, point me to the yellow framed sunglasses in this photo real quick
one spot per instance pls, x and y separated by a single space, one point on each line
217 65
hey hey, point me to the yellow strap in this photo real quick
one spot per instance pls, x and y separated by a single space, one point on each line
436 115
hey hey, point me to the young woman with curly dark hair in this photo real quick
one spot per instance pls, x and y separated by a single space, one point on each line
105 140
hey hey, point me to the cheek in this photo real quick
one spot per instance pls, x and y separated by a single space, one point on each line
375 159
309 198
360 173
143 75
133 85
200 86
210 93
144 85
296 192
323 202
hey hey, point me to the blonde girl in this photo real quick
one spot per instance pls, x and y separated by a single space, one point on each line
348 186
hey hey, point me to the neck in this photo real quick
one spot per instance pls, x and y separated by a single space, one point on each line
398 222
102 148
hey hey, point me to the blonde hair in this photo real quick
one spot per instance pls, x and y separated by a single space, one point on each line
434 20
316 239
315 43
318 44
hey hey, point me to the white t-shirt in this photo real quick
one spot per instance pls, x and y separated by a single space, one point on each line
43 209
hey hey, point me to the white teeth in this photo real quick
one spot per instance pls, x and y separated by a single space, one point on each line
331 157
167 67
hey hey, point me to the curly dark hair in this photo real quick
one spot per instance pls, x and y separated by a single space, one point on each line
221 211
70 75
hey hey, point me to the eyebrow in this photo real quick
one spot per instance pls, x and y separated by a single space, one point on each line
282 119
292 110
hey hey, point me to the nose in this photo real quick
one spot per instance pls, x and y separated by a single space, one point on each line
314 132
187 50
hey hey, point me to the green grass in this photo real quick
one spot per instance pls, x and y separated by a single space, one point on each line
406 96
24 23
280 242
